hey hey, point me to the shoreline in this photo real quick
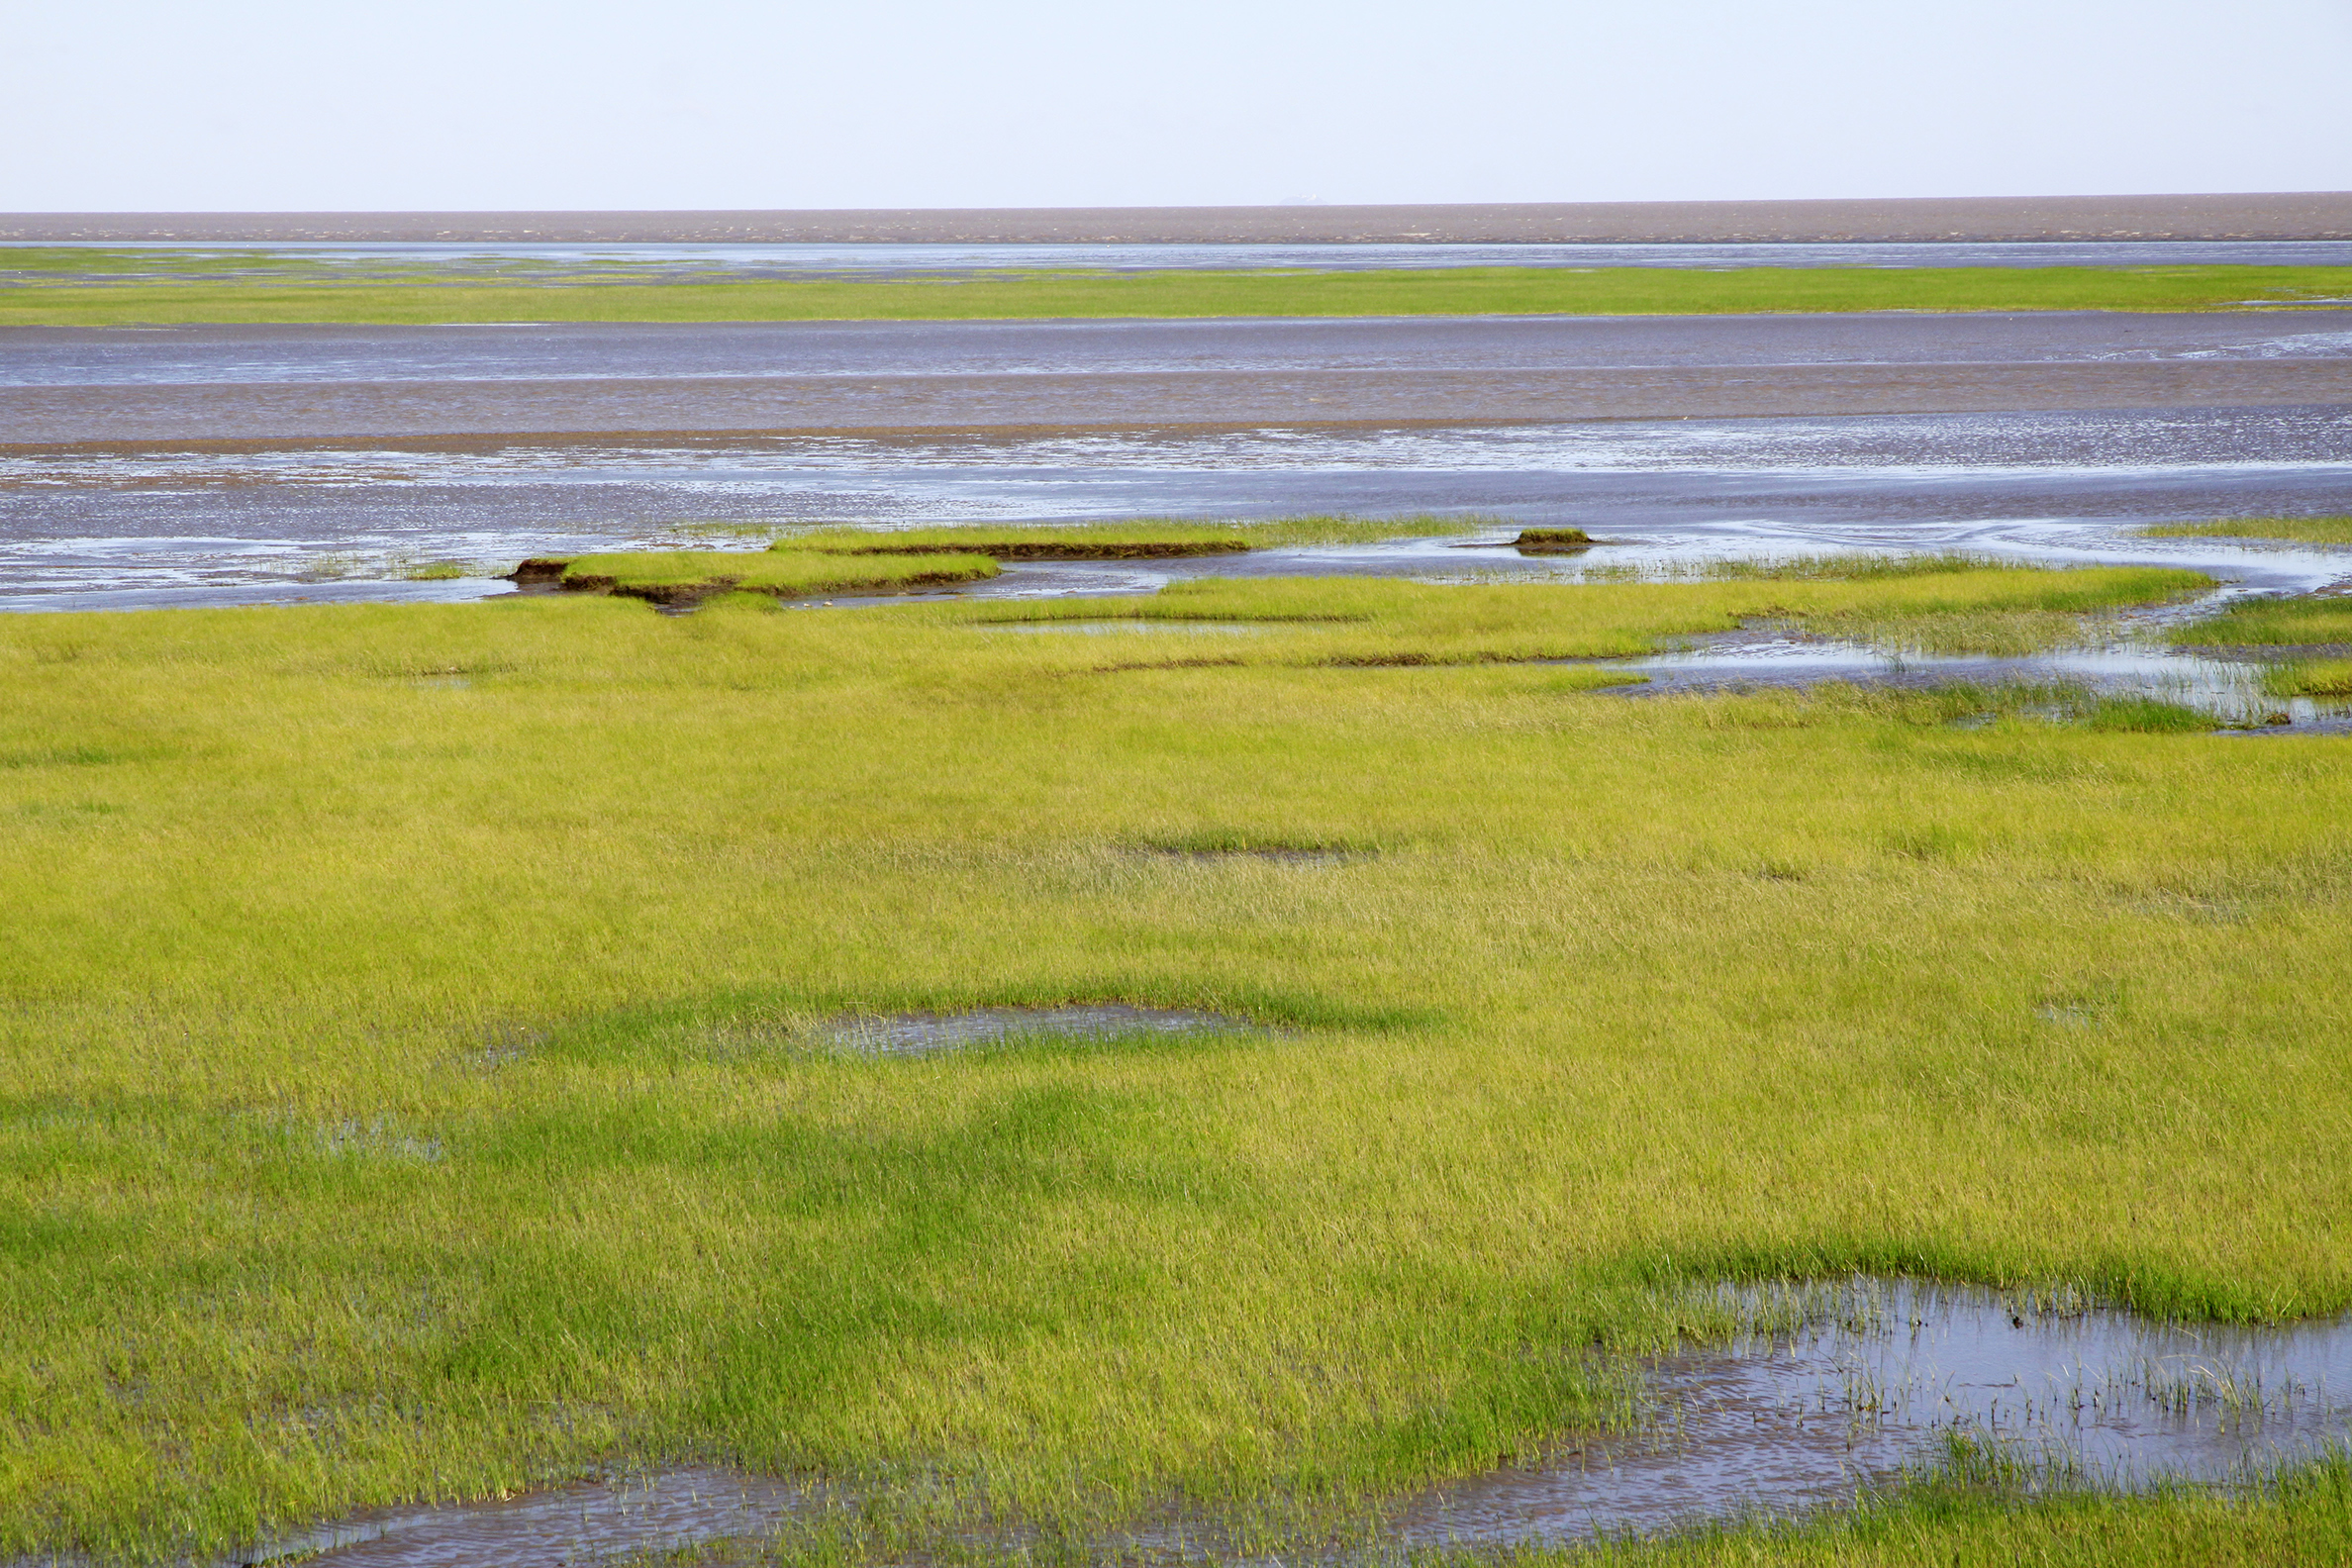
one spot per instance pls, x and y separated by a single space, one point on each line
2321 214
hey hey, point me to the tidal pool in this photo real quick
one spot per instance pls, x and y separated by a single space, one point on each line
1839 1390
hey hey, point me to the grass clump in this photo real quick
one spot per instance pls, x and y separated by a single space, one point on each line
2318 620
1565 540
2309 678
1135 540
2146 716
686 576
398 1096
102 295
2308 530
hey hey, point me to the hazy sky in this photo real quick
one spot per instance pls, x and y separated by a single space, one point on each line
115 105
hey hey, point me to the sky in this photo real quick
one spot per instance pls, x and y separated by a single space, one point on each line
495 105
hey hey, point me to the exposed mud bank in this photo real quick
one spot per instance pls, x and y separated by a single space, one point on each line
543 573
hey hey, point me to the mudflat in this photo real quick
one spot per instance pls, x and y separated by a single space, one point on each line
74 386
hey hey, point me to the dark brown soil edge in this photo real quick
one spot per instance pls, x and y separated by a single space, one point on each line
1045 551
540 572
1554 542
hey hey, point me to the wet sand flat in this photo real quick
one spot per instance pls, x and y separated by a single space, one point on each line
1126 401
72 387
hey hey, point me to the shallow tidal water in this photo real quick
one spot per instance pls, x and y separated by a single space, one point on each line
1874 1383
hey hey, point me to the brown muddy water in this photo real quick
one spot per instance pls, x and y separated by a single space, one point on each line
1835 1390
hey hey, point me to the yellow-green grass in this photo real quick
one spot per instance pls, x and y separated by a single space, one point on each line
664 574
1138 538
98 300
1364 621
2310 678
2308 530
408 1090
2292 1519
2309 621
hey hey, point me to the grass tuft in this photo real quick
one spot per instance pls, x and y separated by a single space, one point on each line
2308 530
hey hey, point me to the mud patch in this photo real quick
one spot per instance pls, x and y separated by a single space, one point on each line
932 1034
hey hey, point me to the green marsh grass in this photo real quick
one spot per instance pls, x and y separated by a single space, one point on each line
102 297
2307 530
400 1099
793 573
1383 621
2310 678
2310 620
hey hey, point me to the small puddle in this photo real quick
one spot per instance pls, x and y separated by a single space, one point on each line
929 1034
1876 1383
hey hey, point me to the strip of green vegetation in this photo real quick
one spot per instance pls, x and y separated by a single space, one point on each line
1383 621
403 1092
669 574
1139 537
2296 1518
2310 620
101 263
2310 678
2309 530
1449 291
